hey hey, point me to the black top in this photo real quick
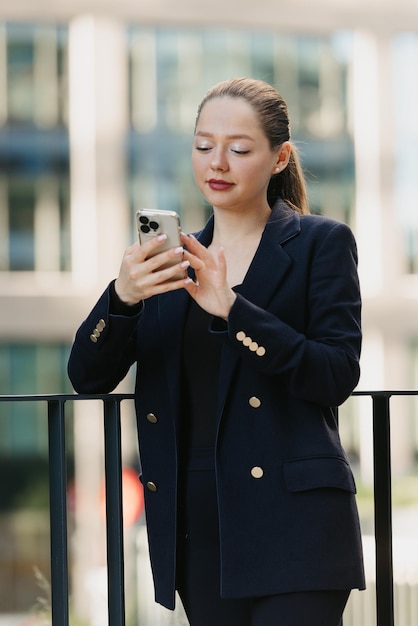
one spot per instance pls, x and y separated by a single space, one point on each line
200 371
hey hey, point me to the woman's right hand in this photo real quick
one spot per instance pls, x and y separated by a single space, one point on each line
140 278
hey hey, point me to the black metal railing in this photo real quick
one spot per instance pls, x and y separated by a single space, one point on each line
114 518
58 501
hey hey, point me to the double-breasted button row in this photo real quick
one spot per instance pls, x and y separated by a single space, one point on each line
100 326
252 345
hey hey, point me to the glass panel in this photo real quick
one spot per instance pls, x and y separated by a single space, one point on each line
405 95
29 369
34 148
62 69
37 76
3 75
20 55
262 57
21 224
28 199
65 224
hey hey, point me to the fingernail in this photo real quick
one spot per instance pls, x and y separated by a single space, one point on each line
178 250
184 264
187 281
161 237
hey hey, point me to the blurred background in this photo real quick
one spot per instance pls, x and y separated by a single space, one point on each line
97 106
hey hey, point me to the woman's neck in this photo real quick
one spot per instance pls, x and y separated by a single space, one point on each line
240 236
234 230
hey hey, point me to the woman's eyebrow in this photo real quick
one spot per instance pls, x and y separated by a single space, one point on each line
202 133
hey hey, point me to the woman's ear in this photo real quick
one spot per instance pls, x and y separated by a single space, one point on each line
283 156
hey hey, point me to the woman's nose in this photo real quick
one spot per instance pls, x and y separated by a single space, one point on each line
219 161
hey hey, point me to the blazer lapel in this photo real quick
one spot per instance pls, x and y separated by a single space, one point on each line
267 270
271 262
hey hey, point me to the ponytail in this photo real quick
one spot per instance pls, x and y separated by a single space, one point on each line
290 186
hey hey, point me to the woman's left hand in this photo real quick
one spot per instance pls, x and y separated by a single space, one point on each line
210 289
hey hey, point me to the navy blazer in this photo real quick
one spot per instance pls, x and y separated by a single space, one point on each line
290 353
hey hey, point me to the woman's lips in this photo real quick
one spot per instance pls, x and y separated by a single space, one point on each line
219 185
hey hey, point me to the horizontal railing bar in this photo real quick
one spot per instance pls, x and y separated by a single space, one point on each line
387 393
63 397
131 396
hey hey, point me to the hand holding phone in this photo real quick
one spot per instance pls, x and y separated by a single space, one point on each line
151 223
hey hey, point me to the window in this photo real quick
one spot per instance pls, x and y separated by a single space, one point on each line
34 151
29 369
405 105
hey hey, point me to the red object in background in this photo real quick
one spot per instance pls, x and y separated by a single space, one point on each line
132 497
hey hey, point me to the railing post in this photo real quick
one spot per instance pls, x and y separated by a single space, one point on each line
383 510
114 514
58 512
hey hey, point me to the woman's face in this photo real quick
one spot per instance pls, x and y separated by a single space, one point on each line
232 159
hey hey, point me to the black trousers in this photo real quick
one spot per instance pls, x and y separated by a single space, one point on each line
198 568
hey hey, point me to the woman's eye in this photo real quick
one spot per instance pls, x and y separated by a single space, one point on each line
239 151
203 148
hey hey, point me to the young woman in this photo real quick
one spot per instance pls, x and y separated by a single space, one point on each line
250 501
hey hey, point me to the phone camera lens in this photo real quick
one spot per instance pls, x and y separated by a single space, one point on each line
143 219
154 225
144 228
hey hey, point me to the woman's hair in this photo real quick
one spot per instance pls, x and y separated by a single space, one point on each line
289 184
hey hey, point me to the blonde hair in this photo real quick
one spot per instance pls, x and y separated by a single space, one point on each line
271 108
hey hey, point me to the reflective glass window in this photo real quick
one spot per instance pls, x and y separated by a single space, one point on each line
28 369
34 148
405 106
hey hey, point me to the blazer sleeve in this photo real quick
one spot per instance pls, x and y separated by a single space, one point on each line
103 349
318 363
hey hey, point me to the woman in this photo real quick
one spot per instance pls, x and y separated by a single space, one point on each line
250 502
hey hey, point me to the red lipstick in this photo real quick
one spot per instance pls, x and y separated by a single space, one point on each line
219 185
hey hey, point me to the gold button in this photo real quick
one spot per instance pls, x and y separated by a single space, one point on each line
240 335
254 402
247 341
253 346
96 333
101 325
93 338
152 418
257 472
151 486
260 351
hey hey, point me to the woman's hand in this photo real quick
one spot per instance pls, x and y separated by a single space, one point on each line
141 277
211 290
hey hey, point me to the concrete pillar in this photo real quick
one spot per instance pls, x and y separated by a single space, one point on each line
98 121
100 232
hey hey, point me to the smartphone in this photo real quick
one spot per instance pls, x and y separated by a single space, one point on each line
152 222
